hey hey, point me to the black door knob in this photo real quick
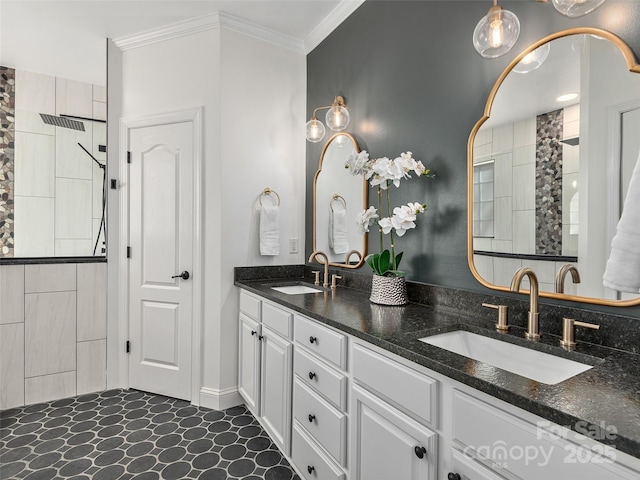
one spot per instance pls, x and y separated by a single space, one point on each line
420 451
310 469
311 375
453 476
184 275
311 418
313 340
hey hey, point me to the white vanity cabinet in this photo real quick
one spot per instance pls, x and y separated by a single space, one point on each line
265 365
392 408
319 448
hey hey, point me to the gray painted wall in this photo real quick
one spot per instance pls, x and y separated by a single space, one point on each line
413 81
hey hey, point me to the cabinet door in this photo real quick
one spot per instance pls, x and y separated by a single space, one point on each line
249 360
387 444
276 372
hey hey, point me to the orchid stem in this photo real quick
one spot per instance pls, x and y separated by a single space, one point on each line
380 210
393 246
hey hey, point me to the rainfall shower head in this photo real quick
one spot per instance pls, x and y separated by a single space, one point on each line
62 122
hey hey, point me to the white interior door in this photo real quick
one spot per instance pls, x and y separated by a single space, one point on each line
161 231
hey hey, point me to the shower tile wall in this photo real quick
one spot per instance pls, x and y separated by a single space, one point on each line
52 331
57 185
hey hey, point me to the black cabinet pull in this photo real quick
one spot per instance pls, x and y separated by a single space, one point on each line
311 418
260 337
310 469
453 476
311 375
313 339
420 452
253 332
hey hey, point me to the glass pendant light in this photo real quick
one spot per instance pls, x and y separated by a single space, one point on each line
497 32
315 130
533 60
576 8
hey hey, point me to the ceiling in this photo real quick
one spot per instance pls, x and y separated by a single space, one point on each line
66 37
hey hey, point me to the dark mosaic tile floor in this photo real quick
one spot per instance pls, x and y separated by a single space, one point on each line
126 434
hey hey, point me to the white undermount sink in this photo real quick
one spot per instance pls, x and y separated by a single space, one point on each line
526 362
296 289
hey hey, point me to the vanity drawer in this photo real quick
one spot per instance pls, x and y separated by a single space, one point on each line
278 320
327 425
250 305
312 463
508 443
323 341
321 377
411 391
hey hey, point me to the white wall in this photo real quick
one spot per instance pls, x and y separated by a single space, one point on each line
253 94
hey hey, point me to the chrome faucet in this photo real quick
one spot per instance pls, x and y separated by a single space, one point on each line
562 273
314 256
533 332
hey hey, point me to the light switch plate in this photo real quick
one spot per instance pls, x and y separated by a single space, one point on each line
293 245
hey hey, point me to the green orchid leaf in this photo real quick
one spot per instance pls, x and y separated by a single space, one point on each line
372 261
385 262
398 258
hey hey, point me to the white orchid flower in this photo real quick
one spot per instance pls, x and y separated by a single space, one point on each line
358 163
366 218
385 225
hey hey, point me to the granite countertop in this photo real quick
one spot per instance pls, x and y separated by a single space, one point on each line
604 397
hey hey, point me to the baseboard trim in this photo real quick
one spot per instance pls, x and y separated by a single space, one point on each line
220 399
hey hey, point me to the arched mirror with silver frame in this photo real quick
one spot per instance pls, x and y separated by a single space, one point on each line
338 196
547 174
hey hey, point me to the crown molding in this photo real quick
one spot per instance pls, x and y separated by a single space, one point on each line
174 30
209 22
330 23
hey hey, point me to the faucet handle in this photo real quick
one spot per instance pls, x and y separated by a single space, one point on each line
503 324
334 280
316 274
568 331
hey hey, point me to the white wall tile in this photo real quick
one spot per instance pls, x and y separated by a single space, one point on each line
505 246
503 221
73 208
31 122
570 159
524 155
74 247
34 164
74 98
484 266
99 93
71 160
503 138
571 113
481 153
91 375
59 277
482 243
524 187
504 268
545 271
524 133
502 175
99 110
35 92
524 232
50 387
484 136
50 333
99 138
11 293
33 228
92 301
96 229
11 365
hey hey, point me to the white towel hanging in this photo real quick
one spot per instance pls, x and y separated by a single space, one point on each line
270 230
623 268
338 234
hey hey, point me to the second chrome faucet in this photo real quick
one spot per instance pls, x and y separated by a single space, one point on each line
533 328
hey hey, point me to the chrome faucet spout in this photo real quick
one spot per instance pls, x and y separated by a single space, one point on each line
533 329
314 256
562 273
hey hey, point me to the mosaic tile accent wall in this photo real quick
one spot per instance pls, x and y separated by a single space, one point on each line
549 132
7 135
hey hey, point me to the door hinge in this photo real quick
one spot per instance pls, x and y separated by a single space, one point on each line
128 157
128 252
127 346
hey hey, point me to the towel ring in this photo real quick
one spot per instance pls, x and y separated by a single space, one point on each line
336 197
268 191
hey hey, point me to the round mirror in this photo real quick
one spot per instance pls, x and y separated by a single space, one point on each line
338 196
550 163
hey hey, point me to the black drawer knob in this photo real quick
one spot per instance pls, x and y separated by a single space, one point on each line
310 469
253 332
312 375
313 339
260 337
420 451
453 476
311 418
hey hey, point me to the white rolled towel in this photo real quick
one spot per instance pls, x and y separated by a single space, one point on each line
270 230
623 268
338 235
